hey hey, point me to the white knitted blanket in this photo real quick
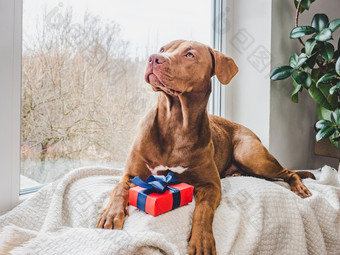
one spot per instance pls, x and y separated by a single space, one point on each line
255 217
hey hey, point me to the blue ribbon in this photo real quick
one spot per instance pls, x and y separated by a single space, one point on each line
156 183
159 184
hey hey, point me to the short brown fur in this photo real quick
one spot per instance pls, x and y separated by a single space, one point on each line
178 131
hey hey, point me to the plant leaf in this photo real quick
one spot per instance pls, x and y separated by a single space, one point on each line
323 113
334 117
337 138
299 77
309 46
332 90
324 35
308 81
320 21
325 132
293 60
302 78
318 97
324 88
333 100
296 61
327 52
338 120
334 25
295 98
333 141
321 124
281 72
315 74
337 66
327 78
338 114
305 4
298 32
295 94
312 60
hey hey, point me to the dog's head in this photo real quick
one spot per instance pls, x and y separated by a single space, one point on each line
185 66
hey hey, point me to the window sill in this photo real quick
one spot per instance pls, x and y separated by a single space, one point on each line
23 197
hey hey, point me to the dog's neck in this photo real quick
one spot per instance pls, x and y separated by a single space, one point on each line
187 111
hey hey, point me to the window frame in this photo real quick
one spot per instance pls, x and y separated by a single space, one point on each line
220 102
10 102
11 16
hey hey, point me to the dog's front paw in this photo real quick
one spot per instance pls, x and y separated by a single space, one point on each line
300 189
112 217
202 242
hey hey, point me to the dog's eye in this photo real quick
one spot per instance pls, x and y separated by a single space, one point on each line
161 50
189 55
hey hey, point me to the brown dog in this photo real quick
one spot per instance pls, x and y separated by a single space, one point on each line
178 135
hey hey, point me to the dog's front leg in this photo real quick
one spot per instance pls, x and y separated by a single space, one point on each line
207 198
113 215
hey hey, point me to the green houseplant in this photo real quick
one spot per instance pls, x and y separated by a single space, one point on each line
316 69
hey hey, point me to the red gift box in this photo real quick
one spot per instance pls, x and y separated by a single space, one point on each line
157 203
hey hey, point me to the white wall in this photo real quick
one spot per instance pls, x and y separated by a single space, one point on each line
249 37
259 29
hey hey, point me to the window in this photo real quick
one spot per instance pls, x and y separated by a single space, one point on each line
83 89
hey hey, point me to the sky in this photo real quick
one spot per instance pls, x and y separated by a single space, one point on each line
145 23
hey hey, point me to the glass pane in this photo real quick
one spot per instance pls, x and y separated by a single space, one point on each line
83 89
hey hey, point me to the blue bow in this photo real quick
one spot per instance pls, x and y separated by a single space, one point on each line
158 183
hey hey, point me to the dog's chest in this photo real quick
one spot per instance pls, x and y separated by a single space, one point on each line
162 169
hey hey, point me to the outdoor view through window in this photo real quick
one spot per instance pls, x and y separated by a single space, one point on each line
83 88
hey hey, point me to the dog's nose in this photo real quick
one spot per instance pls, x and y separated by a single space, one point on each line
156 59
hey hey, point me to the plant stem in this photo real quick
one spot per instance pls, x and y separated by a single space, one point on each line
297 21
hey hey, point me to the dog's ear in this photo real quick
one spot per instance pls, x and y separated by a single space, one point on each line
223 66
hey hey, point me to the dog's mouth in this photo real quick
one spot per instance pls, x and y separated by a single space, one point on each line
158 84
